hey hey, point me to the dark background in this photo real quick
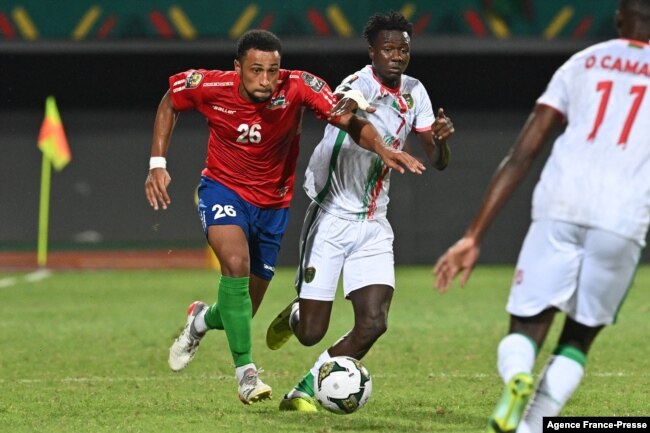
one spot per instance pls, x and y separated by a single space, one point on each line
108 99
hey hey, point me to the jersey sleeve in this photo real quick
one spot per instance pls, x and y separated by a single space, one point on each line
424 116
315 92
350 82
556 94
187 89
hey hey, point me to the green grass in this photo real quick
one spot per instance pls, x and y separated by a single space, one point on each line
86 352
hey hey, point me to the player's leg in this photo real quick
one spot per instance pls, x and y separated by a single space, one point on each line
322 252
233 309
368 281
371 305
561 376
605 278
265 235
545 278
223 218
516 355
257 290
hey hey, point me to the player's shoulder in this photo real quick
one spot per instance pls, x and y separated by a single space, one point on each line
412 83
193 78
600 47
218 78
303 79
362 79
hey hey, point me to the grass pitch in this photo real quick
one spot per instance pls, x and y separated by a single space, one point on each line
87 351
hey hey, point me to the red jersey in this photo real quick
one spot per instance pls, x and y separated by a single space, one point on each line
253 147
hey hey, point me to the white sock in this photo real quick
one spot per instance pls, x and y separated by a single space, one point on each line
560 379
322 358
199 322
239 371
516 354
294 316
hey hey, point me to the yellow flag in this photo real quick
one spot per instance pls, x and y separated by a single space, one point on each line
52 140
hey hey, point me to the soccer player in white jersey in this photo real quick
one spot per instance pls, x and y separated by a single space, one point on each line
590 215
345 229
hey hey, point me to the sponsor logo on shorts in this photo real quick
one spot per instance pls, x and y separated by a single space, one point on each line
269 267
312 81
310 273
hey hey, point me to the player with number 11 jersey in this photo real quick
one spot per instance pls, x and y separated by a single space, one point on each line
601 163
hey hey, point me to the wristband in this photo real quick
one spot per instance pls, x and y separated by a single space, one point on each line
157 162
357 97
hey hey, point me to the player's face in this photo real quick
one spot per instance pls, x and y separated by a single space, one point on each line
390 55
259 72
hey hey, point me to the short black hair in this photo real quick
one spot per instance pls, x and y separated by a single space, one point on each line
392 20
262 40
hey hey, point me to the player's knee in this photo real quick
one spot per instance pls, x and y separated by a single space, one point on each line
309 337
234 265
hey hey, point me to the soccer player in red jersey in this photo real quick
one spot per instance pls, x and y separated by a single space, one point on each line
254 114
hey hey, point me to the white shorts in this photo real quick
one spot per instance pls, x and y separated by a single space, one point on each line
585 272
362 250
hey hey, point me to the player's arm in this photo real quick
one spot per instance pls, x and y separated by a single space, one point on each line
366 136
462 256
155 187
434 142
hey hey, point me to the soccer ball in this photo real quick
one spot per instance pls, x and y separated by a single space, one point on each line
343 385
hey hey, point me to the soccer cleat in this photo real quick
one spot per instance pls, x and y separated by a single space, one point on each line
252 389
279 331
298 404
187 343
508 412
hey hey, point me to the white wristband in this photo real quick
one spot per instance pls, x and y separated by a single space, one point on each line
157 162
357 96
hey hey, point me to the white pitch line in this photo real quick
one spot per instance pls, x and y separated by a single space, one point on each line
8 282
32 277
39 275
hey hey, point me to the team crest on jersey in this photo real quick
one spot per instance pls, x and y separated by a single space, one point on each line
310 273
278 102
409 100
193 80
312 81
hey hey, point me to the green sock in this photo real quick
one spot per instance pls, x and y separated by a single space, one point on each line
306 385
213 317
236 311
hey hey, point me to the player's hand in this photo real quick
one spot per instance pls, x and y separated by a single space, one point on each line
155 188
443 128
398 159
347 105
461 257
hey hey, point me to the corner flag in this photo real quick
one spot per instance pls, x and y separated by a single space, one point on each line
56 153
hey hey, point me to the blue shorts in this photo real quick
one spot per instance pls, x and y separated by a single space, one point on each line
264 228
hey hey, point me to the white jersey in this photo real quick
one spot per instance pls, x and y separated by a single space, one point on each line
598 174
349 181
